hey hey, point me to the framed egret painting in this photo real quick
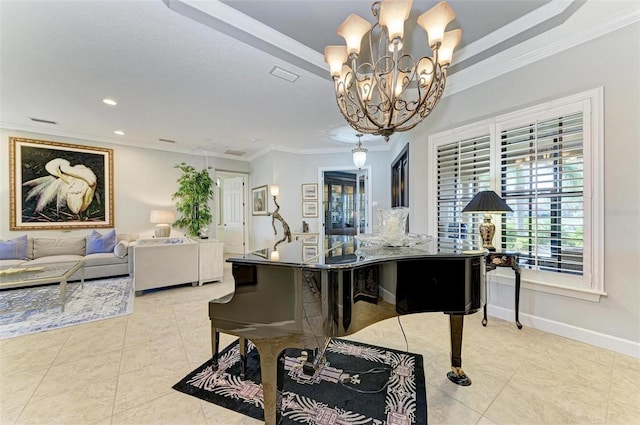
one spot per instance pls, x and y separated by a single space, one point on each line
58 186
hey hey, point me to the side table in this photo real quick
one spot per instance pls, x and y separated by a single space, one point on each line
505 259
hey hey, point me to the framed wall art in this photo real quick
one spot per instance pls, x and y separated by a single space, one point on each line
264 253
309 239
309 191
259 200
59 186
309 252
309 209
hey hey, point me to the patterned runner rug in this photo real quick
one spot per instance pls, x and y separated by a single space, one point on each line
36 309
358 384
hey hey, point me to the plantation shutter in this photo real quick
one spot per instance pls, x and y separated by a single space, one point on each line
463 170
542 179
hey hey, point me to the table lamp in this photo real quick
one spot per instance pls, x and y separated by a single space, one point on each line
162 219
488 202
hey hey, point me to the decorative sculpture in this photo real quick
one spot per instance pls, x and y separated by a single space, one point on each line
276 216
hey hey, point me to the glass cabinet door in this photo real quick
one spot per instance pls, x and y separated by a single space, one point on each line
336 206
344 203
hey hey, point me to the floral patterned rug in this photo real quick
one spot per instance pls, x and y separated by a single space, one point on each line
357 384
35 309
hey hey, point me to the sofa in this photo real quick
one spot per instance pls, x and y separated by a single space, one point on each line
105 255
162 262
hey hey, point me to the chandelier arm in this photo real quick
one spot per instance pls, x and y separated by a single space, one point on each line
434 91
362 104
392 88
360 113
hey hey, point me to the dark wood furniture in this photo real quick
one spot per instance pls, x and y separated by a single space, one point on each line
505 259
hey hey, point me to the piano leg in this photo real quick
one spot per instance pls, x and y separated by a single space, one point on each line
271 352
457 375
215 346
215 351
243 357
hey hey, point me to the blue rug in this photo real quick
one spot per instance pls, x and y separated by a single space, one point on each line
29 310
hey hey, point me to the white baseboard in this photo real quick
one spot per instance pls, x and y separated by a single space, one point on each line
613 343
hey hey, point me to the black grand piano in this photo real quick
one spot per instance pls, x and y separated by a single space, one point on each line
283 300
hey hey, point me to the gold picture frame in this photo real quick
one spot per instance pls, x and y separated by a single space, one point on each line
59 186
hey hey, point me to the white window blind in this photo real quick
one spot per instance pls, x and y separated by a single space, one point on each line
546 161
542 178
463 170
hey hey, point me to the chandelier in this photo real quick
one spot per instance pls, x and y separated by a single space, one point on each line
359 153
384 89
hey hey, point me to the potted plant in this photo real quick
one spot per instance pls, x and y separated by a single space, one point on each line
195 189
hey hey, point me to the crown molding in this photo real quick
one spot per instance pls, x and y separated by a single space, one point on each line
585 25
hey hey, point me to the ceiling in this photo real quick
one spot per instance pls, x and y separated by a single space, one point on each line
197 74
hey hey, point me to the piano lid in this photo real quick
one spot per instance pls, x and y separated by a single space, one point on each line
336 251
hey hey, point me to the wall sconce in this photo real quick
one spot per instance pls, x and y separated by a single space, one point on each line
488 202
162 219
359 154
275 191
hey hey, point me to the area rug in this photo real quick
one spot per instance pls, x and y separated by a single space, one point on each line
358 384
35 309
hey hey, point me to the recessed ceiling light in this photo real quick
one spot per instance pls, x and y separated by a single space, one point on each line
119 132
109 102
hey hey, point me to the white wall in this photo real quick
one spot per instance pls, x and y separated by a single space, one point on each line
290 171
613 63
144 179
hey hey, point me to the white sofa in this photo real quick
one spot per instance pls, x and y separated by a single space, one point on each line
161 262
42 250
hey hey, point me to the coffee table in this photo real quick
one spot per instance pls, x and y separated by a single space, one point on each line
27 275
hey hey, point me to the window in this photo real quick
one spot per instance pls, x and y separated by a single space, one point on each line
462 170
546 162
541 178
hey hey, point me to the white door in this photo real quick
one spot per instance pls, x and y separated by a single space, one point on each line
231 231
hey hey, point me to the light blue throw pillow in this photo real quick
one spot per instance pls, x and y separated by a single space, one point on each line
14 249
97 243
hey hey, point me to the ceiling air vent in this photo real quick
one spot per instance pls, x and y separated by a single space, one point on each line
235 153
289 76
167 141
43 121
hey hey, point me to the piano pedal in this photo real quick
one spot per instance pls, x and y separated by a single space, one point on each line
308 366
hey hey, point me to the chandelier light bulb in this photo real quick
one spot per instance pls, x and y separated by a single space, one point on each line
450 41
352 30
435 20
393 13
335 56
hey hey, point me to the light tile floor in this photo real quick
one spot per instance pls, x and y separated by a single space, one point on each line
120 371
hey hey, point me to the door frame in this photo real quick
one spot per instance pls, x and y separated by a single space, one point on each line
222 174
366 170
